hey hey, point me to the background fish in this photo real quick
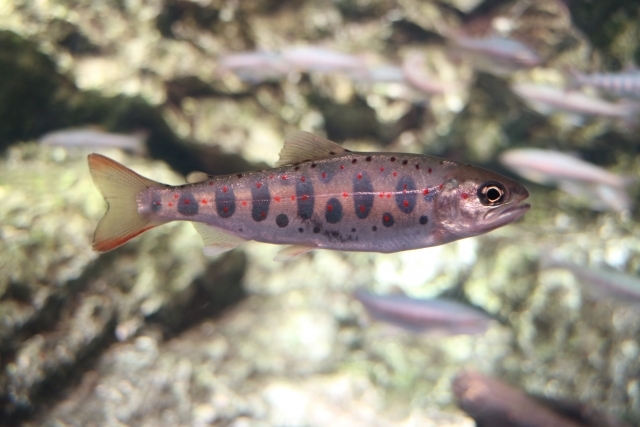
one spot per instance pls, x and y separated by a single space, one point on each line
625 84
424 315
600 282
96 139
548 99
329 198
573 175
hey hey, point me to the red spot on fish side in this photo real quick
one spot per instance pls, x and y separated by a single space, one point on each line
186 201
359 176
345 194
277 199
404 186
210 182
170 204
324 174
362 208
440 186
270 176
464 195
417 166
262 214
341 166
382 169
302 178
329 207
203 201
429 170
386 218
258 184
304 197
381 195
388 195
406 203
225 189
244 203
284 177
225 209
158 203
395 173
293 197
425 191
175 196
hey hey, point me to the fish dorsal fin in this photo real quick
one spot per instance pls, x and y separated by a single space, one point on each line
196 176
290 252
216 241
303 146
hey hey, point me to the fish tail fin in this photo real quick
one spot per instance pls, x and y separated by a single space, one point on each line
120 187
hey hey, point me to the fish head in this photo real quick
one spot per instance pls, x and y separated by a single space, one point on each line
474 201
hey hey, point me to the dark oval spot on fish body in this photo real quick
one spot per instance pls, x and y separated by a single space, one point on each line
304 195
260 199
363 196
225 201
333 213
424 219
406 196
156 203
187 204
387 219
282 220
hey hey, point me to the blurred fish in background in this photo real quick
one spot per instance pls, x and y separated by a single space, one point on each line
90 138
602 188
433 316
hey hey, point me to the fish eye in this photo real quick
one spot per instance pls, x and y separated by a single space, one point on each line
491 193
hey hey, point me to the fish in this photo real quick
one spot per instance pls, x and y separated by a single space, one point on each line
495 55
600 282
424 315
623 85
414 74
254 67
571 174
319 196
548 99
491 402
93 138
319 59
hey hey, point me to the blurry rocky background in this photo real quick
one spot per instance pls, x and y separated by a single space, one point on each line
155 334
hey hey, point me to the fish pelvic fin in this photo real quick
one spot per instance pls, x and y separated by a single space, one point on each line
216 241
120 187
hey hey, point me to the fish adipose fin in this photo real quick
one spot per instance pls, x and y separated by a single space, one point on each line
120 187
196 176
216 241
303 146
290 252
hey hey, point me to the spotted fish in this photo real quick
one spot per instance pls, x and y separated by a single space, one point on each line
320 195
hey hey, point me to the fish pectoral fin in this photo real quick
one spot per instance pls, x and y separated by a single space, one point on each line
196 176
216 241
303 146
290 252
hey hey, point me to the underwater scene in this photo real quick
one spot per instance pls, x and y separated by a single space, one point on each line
288 213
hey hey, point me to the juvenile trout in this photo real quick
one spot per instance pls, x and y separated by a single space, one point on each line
326 197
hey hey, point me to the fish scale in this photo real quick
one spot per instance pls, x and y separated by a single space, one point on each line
379 202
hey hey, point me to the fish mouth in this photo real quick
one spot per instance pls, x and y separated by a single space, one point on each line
507 215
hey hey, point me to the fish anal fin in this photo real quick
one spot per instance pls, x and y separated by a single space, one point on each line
216 241
120 188
196 176
303 146
290 252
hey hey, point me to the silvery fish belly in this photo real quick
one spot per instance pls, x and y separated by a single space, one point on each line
320 196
